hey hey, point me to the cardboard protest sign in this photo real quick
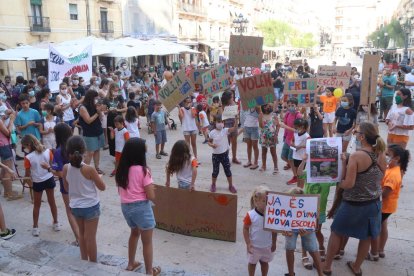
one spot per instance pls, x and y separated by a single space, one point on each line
61 66
198 214
245 51
216 79
296 62
334 76
369 79
175 91
324 162
304 90
229 112
195 77
287 212
256 90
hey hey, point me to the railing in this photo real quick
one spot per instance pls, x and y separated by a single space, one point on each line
187 8
39 24
106 27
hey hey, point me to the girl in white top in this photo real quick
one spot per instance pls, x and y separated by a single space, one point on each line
132 122
41 179
81 181
299 145
47 128
400 119
183 165
187 116
63 101
204 123
121 135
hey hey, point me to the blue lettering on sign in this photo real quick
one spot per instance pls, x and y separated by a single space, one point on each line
54 76
55 58
185 88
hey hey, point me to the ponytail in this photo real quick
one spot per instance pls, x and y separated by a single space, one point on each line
402 153
75 148
373 139
379 146
76 159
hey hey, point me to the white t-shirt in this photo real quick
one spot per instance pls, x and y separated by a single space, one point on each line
67 113
220 139
398 117
189 123
33 162
120 137
132 129
186 173
251 119
258 237
300 141
409 77
202 116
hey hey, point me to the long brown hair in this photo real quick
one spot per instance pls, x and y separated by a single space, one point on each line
34 144
112 87
372 137
180 155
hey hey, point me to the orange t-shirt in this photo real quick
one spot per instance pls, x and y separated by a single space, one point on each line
393 180
329 103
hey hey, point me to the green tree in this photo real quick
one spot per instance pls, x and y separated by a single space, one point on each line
276 33
394 31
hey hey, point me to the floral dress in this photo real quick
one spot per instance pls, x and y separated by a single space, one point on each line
268 132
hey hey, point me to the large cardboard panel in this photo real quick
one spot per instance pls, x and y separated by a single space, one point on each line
256 90
334 76
302 89
198 214
216 79
369 79
245 51
176 90
195 77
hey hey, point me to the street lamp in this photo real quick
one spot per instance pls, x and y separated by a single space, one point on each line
241 21
405 23
378 38
385 40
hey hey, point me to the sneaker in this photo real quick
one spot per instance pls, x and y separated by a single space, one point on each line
205 142
213 188
8 234
36 232
56 227
232 189
163 153
294 180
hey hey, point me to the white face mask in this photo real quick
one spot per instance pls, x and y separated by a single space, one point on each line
64 91
124 67
75 82
219 126
365 108
96 101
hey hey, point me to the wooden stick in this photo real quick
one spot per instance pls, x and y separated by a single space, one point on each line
17 178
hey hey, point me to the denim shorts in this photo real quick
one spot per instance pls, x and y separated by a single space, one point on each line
278 93
88 213
184 185
94 143
309 242
139 214
287 152
251 133
6 153
345 138
191 132
160 137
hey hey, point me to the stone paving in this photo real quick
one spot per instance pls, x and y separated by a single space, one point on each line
182 255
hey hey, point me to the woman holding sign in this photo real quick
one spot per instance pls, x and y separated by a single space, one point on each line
359 215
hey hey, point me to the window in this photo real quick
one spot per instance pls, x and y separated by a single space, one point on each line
73 11
37 14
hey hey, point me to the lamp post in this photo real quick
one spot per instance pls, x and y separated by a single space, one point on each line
378 38
406 26
241 22
385 40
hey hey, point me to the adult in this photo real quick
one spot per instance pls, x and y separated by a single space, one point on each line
277 77
227 99
41 83
63 103
291 74
355 89
187 116
7 86
400 119
103 93
387 85
78 90
359 215
93 83
89 119
44 97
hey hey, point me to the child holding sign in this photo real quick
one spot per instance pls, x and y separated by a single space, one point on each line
269 125
260 243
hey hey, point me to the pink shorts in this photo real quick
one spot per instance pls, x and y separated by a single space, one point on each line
260 254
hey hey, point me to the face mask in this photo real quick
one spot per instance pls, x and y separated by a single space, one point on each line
3 97
64 91
31 93
133 83
44 113
96 101
50 96
26 150
98 82
398 99
344 104
388 159
219 126
104 71
292 109
365 108
124 67
75 82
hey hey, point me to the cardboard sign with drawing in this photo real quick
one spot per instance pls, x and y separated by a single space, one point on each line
176 90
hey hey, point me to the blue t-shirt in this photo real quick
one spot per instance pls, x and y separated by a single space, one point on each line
159 119
389 80
24 117
58 162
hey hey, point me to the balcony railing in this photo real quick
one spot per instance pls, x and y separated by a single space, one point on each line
39 24
191 9
106 27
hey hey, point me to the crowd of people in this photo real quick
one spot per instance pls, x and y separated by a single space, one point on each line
106 114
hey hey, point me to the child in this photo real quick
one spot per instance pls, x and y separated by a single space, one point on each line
260 244
204 124
362 116
323 190
290 116
132 122
81 181
46 128
150 107
121 135
183 164
316 121
214 108
251 136
329 107
309 244
269 125
299 145
218 140
345 120
158 120
63 104
136 190
28 119
42 180
397 159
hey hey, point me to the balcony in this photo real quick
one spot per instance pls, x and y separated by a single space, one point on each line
186 8
106 27
39 24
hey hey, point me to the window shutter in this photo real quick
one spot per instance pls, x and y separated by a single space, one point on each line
36 2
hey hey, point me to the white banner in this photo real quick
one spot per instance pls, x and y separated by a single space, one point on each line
61 66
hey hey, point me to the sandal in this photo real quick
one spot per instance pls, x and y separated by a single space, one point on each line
248 165
232 189
99 171
350 264
262 169
372 257
163 153
135 267
306 263
275 171
286 167
235 161
337 257
323 257
253 167
14 197
381 254
213 188
341 252
156 271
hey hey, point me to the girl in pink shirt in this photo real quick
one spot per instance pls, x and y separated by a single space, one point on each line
136 189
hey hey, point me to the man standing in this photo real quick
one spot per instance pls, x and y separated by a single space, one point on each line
277 77
387 85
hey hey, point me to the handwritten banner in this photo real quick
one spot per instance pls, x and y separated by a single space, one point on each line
175 91
198 214
334 76
216 79
245 51
369 79
61 66
229 112
256 90
304 90
195 77
324 164
287 212
296 62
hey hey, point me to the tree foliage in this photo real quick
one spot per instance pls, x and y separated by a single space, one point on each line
278 33
394 31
